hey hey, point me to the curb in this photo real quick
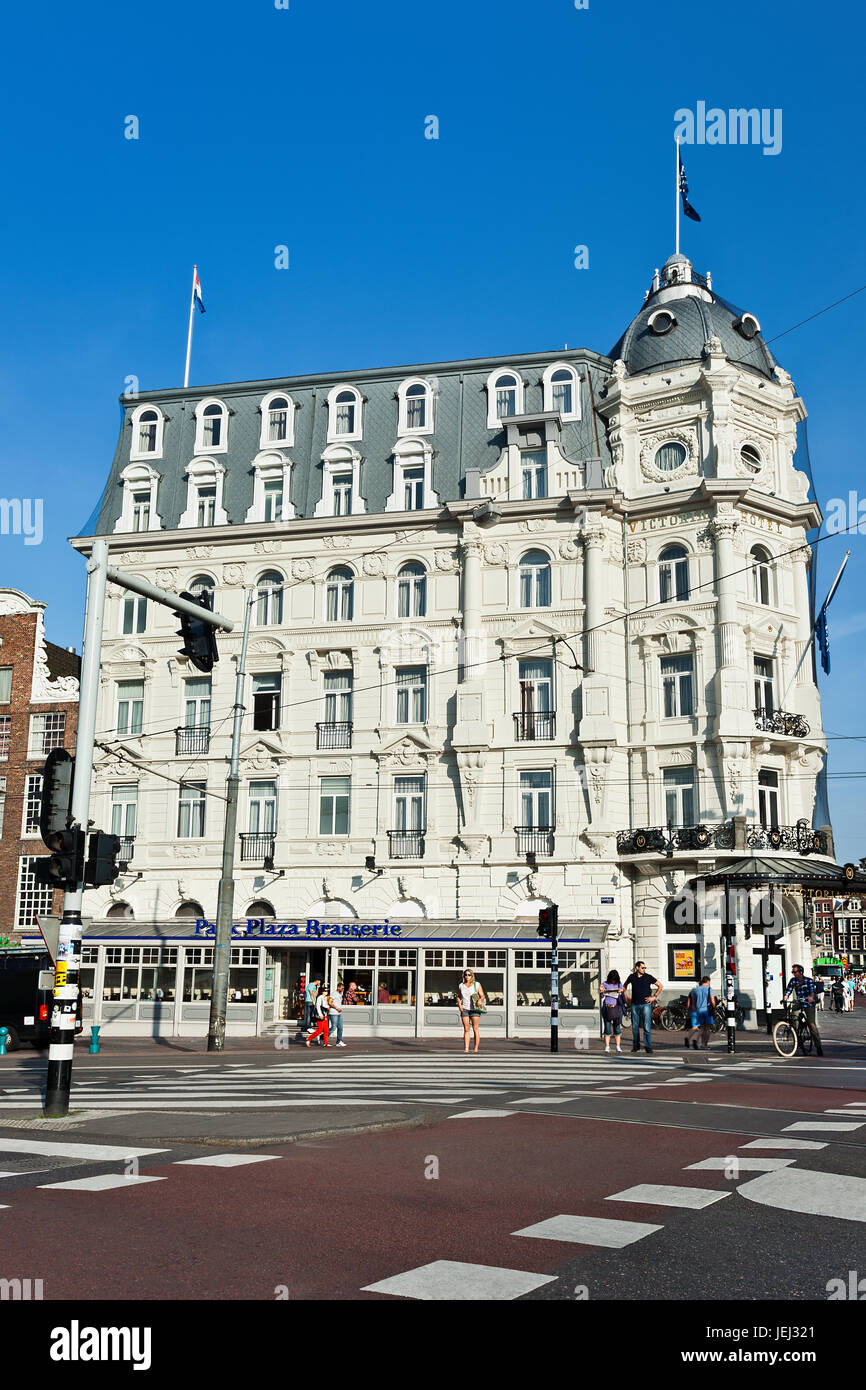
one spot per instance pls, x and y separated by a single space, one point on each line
209 1141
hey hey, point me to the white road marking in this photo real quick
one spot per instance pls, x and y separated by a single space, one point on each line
454 1281
224 1160
102 1152
481 1114
784 1144
590 1230
101 1183
663 1195
745 1165
541 1100
815 1194
837 1125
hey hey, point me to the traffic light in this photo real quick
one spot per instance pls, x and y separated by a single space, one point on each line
102 855
64 867
548 921
54 812
199 639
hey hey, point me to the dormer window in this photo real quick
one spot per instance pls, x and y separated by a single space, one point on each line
211 427
344 413
751 459
341 471
661 321
747 326
204 495
278 420
562 391
271 479
416 408
147 424
138 508
504 397
412 489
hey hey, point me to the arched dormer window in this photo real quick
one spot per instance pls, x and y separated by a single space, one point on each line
535 580
339 595
201 585
562 390
138 507
211 427
204 494
344 413
269 599
278 420
412 590
147 427
762 575
341 478
415 414
272 474
413 484
504 397
674 574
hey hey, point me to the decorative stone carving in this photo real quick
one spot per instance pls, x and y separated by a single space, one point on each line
65 688
690 465
134 557
569 548
446 560
597 842
189 852
302 569
199 552
234 575
268 547
336 542
704 541
618 371
474 847
532 523
167 578
332 849
637 552
373 565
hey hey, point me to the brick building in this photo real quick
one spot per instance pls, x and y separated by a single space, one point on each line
38 712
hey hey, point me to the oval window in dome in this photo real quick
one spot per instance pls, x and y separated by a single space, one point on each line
751 458
671 456
747 326
661 321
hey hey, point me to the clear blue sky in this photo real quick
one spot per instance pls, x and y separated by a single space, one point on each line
305 127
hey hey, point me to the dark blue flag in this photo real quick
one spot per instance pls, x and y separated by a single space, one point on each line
684 191
823 640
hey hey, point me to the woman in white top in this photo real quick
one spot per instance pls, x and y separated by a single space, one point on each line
470 999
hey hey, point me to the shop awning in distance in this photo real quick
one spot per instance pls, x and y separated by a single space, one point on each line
756 871
416 931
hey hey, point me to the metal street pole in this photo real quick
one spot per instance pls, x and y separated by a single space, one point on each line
729 937
226 901
554 983
67 973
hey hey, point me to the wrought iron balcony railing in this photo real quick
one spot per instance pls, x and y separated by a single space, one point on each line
193 738
779 722
537 839
531 727
257 847
659 839
127 849
406 844
336 734
799 838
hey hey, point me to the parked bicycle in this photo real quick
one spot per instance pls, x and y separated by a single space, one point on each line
675 1015
792 1032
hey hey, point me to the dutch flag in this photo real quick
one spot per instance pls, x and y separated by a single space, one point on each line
196 289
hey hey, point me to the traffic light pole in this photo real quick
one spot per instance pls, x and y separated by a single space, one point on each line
554 990
67 972
226 901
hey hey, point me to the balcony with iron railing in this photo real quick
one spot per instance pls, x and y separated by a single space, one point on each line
257 848
530 728
334 734
127 849
778 721
798 839
736 835
406 844
537 839
192 739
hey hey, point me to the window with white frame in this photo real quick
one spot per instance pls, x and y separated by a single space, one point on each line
411 687
147 426
339 595
134 614
410 803
562 391
535 580
504 397
342 487
412 590
47 731
415 408
269 599
32 899
191 811
263 808
211 436
678 676
536 687
768 798
130 708
278 419
338 697
206 504
762 591
5 685
204 497
271 485
197 702
138 505
344 413
198 974
413 478
341 473
413 489
124 809
32 806
201 586
765 687
533 473
141 511
334 797
267 689
273 500
674 574
5 734
536 800
679 794
2 803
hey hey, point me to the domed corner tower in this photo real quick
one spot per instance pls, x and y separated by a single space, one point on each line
695 394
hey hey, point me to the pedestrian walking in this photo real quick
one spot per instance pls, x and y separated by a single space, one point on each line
335 1015
472 1004
702 1006
849 996
321 1017
612 995
310 1004
641 996
838 995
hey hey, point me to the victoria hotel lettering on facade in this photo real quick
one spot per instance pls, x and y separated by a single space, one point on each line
521 634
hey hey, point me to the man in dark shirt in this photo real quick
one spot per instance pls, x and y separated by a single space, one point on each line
803 986
641 995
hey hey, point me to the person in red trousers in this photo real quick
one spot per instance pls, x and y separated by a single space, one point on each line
323 1001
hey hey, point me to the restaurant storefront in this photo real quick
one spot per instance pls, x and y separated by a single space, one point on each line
142 980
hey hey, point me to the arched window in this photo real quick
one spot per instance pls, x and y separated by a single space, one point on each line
562 390
138 509
260 908
120 910
190 909
269 599
202 584
341 482
339 596
415 415
147 423
412 591
674 574
535 580
682 915
204 494
506 390
278 419
344 413
211 427
761 575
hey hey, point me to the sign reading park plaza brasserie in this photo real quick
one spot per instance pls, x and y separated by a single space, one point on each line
259 926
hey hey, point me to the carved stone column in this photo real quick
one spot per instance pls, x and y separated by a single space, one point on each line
724 528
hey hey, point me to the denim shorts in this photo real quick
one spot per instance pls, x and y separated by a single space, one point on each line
612 1025
701 1020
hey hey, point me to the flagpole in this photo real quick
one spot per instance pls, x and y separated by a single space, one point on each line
808 645
677 191
189 334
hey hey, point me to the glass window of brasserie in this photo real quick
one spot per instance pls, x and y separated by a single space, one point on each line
381 977
244 975
198 974
443 974
578 979
159 973
120 979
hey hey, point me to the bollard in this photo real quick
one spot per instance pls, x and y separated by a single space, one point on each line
4 1034
94 1037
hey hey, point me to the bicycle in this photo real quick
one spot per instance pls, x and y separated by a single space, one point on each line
792 1032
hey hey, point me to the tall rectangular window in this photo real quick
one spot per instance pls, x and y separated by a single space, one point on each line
679 789
266 701
765 698
124 809
533 467
411 694
130 708
263 808
32 806
196 702
338 697
677 687
5 684
47 731
413 489
141 511
206 504
5 733
191 811
536 800
134 614
33 899
2 803
409 810
536 687
334 795
342 489
273 500
768 799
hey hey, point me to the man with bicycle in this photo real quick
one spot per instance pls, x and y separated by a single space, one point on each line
806 991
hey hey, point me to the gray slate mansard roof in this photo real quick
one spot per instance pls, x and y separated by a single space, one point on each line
697 320
460 440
